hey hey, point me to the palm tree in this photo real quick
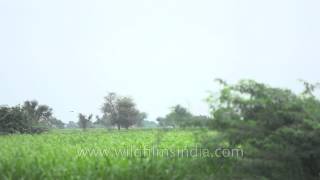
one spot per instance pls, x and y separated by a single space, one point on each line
36 113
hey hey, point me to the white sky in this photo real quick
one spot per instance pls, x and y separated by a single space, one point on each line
70 53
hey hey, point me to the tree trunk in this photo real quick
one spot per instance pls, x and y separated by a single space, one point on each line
119 127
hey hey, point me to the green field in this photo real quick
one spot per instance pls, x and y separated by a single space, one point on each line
73 154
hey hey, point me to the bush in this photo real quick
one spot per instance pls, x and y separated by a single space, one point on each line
278 130
15 120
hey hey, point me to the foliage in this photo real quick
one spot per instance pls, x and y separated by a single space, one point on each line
72 125
178 117
181 117
55 155
102 122
55 123
36 113
149 124
29 118
122 111
140 120
278 129
84 121
13 120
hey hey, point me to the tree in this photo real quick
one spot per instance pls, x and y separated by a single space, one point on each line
36 113
140 121
84 121
178 117
109 109
103 121
13 120
28 118
55 123
161 121
278 130
149 124
72 124
198 121
121 111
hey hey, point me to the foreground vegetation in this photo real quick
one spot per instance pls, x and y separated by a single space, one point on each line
277 129
57 155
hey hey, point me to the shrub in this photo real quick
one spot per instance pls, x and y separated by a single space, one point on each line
278 130
15 120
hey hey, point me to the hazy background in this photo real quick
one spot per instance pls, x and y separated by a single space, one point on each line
70 53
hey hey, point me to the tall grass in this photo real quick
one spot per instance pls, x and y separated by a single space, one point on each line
55 155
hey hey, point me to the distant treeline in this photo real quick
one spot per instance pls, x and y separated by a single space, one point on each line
117 112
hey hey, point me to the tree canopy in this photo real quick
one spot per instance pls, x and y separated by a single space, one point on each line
278 129
122 111
84 121
31 117
180 116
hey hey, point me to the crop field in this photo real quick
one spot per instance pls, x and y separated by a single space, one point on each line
95 154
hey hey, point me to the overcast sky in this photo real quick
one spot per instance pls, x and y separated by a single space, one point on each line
70 53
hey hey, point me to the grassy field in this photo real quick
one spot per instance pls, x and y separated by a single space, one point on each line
97 154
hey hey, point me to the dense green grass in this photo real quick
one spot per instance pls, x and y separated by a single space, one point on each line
55 155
